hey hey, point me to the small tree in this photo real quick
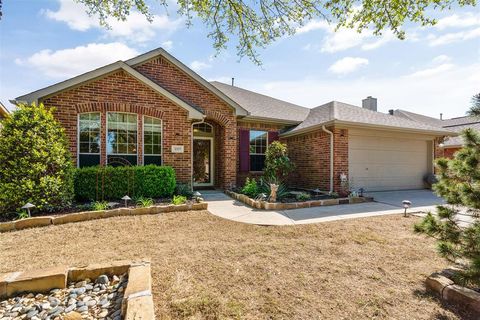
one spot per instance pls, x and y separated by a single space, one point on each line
459 184
35 164
277 163
475 109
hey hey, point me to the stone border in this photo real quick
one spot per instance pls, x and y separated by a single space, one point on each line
264 205
137 298
448 291
91 215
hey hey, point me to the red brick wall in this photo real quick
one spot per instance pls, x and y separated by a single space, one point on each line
120 92
217 111
311 154
241 176
449 152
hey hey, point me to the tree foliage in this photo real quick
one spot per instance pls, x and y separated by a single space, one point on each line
35 163
475 109
256 24
277 163
459 184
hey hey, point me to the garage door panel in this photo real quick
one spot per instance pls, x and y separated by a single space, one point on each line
387 163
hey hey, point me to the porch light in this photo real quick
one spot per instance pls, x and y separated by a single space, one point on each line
28 206
406 204
126 199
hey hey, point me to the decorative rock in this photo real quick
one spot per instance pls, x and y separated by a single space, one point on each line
72 316
82 309
103 279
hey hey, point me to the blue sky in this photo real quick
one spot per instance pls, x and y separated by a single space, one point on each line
435 70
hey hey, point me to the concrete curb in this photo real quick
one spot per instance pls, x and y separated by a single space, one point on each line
137 301
91 215
294 205
445 289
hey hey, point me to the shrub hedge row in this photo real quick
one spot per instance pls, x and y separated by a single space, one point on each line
112 183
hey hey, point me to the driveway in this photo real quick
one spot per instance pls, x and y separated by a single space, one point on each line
225 207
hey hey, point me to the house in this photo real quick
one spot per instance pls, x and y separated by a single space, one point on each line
451 144
3 113
154 109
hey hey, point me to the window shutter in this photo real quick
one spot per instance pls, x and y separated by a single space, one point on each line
272 136
244 146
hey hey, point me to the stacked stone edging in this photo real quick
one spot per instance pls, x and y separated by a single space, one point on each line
137 299
91 215
294 205
447 290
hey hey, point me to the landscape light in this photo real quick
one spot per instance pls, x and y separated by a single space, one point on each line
28 206
126 199
406 205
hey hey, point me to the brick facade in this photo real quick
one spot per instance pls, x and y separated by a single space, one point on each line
311 154
449 152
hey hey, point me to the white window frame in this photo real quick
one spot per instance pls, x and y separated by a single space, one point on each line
256 154
106 137
143 140
78 137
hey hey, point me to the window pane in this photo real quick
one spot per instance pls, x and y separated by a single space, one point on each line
89 133
152 140
122 133
84 147
147 138
156 149
88 160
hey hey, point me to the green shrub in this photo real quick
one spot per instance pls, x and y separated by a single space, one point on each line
303 196
101 183
35 162
144 202
277 163
282 190
251 188
99 205
179 200
184 189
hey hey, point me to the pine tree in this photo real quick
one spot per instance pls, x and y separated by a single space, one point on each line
459 184
35 162
475 109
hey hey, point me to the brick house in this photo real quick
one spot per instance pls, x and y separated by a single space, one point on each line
154 109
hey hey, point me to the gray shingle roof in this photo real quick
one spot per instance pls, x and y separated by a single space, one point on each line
263 106
342 112
418 117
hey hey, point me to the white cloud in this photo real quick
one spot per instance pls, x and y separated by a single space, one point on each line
199 65
71 62
441 59
452 37
347 65
167 45
465 20
429 72
343 38
432 95
135 29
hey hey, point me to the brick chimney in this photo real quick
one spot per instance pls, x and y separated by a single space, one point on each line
370 103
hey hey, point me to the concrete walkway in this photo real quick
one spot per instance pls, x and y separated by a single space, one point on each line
225 207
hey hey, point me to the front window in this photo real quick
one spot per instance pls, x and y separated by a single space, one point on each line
152 141
121 138
258 148
89 139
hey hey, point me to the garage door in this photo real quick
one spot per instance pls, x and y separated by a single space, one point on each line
385 161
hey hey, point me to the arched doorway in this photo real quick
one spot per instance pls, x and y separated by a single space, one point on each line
203 155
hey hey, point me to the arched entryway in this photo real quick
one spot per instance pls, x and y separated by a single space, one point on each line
203 155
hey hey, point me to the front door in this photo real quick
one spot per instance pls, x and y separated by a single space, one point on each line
203 161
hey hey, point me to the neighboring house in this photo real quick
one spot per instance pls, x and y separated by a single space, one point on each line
451 144
154 109
3 113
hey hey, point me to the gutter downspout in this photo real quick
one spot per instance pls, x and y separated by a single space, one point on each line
331 155
191 151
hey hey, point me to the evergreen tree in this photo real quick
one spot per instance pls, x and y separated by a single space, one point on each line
35 163
475 110
459 184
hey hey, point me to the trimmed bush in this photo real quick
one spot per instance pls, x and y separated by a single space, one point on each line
35 162
112 183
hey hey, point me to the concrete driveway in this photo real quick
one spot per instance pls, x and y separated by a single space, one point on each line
223 206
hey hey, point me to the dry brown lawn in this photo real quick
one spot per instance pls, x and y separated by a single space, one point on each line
204 267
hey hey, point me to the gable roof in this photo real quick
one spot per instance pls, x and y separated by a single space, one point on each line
160 52
263 107
194 112
336 112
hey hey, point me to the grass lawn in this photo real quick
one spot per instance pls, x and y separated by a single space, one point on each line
204 267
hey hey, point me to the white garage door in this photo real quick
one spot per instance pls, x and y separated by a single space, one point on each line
380 161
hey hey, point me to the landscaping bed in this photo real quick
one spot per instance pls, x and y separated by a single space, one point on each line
292 203
204 267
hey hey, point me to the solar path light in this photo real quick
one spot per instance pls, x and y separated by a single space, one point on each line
406 204
28 206
126 199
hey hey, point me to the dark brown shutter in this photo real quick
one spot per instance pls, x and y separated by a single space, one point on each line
244 150
272 136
